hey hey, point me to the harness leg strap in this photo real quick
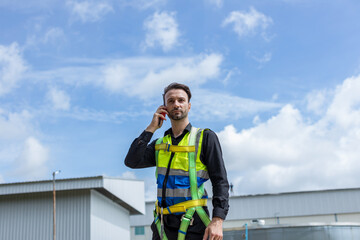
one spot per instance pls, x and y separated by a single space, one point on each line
185 222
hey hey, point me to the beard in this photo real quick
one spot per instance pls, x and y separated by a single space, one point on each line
178 115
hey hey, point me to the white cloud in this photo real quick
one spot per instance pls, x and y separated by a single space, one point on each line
289 153
145 78
230 74
128 175
53 35
83 114
39 33
248 23
59 99
216 3
32 160
118 76
137 77
275 96
21 154
345 108
220 106
75 76
161 29
263 59
144 4
317 101
192 71
12 67
14 126
89 11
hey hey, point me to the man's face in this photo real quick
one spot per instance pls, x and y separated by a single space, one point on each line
177 104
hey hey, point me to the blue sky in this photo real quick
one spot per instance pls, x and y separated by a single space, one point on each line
278 81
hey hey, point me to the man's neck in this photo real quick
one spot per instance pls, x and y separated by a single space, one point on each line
178 127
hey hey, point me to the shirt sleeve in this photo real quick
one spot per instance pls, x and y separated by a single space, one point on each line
211 156
141 154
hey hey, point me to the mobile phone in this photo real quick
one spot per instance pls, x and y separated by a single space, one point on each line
160 119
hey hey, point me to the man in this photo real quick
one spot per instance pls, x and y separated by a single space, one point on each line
181 171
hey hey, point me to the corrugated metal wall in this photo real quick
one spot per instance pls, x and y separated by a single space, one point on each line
73 215
295 204
29 217
26 218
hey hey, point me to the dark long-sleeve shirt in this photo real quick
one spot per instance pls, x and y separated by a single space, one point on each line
142 155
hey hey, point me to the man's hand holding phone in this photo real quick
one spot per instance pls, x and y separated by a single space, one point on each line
161 119
158 119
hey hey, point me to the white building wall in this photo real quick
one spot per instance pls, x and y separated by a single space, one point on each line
147 234
351 217
126 190
108 220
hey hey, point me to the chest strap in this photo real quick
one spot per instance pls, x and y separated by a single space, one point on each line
174 148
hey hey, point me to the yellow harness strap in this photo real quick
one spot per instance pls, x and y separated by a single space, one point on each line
174 148
181 207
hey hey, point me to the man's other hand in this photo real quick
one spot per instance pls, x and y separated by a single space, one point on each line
214 230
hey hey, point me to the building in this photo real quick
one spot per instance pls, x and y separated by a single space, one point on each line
338 207
91 208
105 208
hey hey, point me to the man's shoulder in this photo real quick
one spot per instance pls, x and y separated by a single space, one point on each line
208 133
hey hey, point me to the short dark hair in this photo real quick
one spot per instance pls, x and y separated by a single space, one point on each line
176 85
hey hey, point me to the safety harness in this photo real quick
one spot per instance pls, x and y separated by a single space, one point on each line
188 207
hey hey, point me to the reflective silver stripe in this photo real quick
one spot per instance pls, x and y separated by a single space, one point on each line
177 172
198 134
178 192
203 174
162 170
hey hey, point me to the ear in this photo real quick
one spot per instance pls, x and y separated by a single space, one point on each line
189 106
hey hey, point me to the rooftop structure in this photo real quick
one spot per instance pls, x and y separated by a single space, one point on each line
92 208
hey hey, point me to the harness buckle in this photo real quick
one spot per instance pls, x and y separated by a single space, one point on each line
167 148
191 220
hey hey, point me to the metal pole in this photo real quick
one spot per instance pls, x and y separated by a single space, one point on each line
54 208
246 231
54 205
